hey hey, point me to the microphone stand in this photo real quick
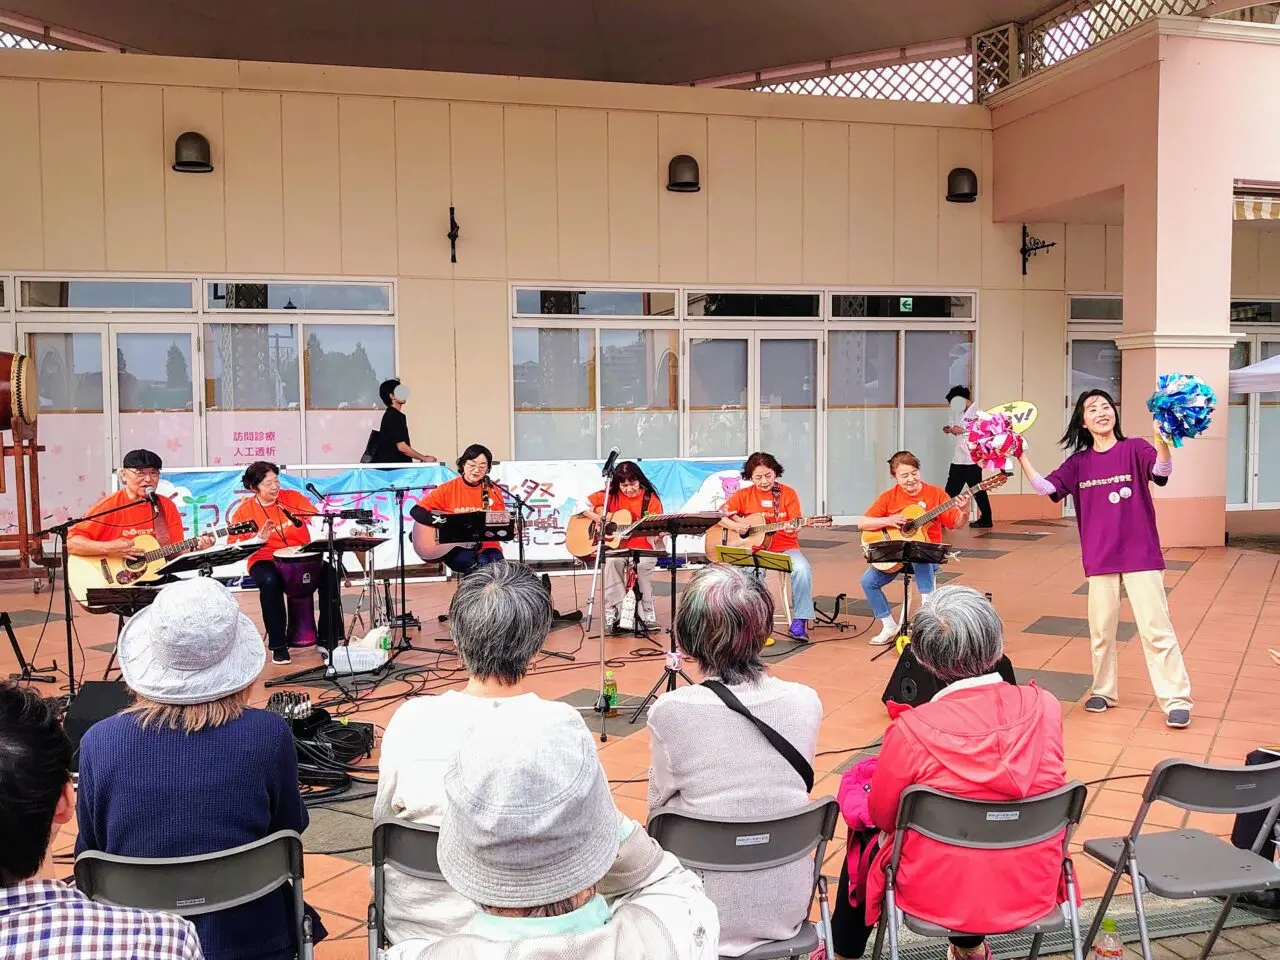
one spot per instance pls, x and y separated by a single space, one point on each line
602 702
521 506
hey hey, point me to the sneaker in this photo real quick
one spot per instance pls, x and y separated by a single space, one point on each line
885 637
799 631
1178 719
1096 705
1262 903
955 953
280 656
768 641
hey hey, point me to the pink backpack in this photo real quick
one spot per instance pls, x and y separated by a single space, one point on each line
855 786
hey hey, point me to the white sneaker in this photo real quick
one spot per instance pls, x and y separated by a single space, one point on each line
886 636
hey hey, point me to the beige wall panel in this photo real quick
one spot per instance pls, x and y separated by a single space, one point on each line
533 244
425 327
1086 251
682 217
22 234
779 201
254 183
71 176
582 193
1000 354
423 187
478 192
367 185
1001 266
134 158
826 203
312 205
1269 263
1115 259
1048 268
871 226
482 337
959 224
195 212
1044 366
1244 262
633 197
730 185
915 206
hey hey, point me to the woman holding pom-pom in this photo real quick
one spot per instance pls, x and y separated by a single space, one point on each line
1107 475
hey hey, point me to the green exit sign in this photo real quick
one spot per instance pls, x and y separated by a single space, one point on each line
904 304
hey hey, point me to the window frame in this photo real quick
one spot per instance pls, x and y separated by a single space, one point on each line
19 279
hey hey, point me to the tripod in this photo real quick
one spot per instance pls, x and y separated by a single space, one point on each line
27 673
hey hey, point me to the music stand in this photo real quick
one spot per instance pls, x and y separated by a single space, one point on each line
907 553
203 561
673 525
756 560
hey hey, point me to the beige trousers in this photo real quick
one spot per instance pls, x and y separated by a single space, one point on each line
615 587
1160 645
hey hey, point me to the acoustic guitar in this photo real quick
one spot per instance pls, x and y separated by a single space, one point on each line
760 536
918 520
582 535
86 572
426 538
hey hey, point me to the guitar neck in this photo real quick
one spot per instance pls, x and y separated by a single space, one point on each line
927 518
173 549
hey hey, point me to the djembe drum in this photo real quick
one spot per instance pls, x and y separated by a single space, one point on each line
300 572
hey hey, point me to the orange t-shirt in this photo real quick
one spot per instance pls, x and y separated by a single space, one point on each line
749 500
457 496
895 500
285 533
132 522
634 506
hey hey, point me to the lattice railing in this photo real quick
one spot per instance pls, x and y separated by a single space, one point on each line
944 80
11 41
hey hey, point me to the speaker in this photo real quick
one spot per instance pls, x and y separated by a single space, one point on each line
912 684
96 700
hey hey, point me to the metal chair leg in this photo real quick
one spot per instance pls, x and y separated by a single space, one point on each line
891 917
1105 902
824 907
1035 946
1077 949
879 944
1135 879
1212 936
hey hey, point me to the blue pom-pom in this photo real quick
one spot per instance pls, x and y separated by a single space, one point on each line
1182 405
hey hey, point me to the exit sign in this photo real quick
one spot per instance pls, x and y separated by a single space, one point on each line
904 304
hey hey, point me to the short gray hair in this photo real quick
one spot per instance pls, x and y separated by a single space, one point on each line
723 620
501 615
957 634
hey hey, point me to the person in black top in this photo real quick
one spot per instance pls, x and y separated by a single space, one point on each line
393 434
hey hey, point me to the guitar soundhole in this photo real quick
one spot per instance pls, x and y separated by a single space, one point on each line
134 564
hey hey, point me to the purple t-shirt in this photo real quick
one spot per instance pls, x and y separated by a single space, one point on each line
1114 509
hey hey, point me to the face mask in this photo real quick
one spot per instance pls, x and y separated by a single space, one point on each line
400 393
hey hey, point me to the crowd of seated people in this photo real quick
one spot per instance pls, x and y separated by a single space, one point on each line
537 859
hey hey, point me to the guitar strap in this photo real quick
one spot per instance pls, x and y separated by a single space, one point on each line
777 499
160 527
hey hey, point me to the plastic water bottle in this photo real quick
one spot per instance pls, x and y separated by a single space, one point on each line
611 693
1108 945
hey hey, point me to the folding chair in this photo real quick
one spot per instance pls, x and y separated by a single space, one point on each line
411 849
985 825
194 886
743 845
1181 864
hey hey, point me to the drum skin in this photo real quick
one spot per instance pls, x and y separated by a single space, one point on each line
18 398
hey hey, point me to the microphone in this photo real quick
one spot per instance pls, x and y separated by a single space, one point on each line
608 464
149 495
311 489
289 516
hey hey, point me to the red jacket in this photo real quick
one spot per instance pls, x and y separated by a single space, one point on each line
988 742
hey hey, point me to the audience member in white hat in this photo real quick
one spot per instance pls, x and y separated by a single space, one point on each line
190 768
532 836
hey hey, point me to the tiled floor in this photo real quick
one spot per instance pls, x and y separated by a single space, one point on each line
1224 606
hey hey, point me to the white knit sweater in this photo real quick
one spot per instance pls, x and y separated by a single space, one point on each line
707 759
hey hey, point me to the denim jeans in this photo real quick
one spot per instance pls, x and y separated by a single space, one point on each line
874 581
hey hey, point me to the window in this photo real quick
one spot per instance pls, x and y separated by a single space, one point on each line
555 402
639 392
850 306
279 295
752 306
2 300
343 365
1097 309
862 416
933 363
596 303
105 295
1253 312
251 393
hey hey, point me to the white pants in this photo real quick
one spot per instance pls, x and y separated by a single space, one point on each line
615 587
1159 643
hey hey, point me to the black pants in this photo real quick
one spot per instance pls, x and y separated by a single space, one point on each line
462 560
849 929
1247 825
274 605
963 475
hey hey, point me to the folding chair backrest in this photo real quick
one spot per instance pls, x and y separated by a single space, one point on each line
1209 788
191 886
988 824
409 847
745 844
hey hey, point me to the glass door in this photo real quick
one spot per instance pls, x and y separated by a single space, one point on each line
719 395
1240 442
155 394
1266 434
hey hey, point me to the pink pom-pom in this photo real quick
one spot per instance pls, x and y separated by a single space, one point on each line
993 444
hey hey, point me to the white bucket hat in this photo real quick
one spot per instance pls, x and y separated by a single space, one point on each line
192 645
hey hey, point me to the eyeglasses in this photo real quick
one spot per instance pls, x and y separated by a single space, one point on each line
148 474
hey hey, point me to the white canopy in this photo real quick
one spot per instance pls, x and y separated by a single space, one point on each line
1261 377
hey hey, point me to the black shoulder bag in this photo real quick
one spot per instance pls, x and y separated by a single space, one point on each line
780 743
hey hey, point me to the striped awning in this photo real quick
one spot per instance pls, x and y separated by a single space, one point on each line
1256 208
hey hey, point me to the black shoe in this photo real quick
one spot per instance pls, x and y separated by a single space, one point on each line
281 656
981 525
1264 903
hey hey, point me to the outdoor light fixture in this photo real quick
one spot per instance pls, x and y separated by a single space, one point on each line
1031 246
682 174
191 154
962 185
